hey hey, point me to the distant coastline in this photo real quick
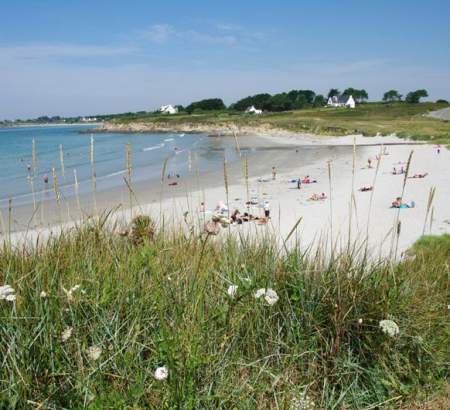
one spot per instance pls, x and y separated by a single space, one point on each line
183 127
40 124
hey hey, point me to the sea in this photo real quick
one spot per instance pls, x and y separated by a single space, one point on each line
182 154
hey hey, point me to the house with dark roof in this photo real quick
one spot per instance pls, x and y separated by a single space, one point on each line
341 101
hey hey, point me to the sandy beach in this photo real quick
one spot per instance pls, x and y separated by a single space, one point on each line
294 156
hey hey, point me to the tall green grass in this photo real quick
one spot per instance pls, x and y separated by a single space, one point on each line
151 299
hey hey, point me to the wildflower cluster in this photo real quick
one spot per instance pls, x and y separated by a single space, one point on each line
389 327
7 293
270 295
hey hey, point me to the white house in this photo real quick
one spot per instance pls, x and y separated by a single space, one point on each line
342 101
253 110
168 109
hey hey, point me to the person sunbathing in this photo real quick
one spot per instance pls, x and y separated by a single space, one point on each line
262 221
398 203
366 188
420 175
235 217
317 197
248 217
308 180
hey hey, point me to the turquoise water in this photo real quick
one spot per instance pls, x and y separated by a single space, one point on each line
149 151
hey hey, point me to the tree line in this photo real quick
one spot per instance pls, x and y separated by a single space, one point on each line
298 99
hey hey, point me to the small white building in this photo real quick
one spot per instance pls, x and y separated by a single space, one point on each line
253 110
342 101
168 109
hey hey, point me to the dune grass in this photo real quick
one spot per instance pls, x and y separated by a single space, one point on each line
406 120
152 298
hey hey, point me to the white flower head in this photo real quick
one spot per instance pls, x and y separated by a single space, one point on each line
161 373
94 352
270 295
43 294
360 321
232 290
7 293
302 402
260 292
69 293
389 327
65 335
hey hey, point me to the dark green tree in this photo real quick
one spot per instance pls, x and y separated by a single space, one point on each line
392 96
301 98
258 101
279 102
414 97
359 95
334 92
210 104
319 101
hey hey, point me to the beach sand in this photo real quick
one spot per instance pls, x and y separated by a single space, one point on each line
324 223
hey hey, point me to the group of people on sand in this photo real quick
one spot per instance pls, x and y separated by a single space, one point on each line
400 171
219 217
305 180
238 218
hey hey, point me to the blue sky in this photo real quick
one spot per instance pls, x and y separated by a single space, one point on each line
86 57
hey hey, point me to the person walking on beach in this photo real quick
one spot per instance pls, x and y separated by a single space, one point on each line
369 161
274 173
299 183
438 148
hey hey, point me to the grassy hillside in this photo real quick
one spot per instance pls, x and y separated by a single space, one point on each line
407 120
96 313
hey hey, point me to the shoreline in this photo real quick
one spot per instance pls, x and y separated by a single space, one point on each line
293 155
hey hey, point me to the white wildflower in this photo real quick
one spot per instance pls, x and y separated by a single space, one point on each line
301 402
360 321
232 290
94 352
43 294
259 293
270 295
389 327
7 293
65 335
161 373
69 293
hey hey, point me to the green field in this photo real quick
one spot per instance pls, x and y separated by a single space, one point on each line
406 120
116 308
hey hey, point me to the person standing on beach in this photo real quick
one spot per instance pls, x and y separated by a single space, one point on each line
369 161
299 183
267 209
274 173
438 148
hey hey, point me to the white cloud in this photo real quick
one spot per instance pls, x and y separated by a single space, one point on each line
158 33
219 34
